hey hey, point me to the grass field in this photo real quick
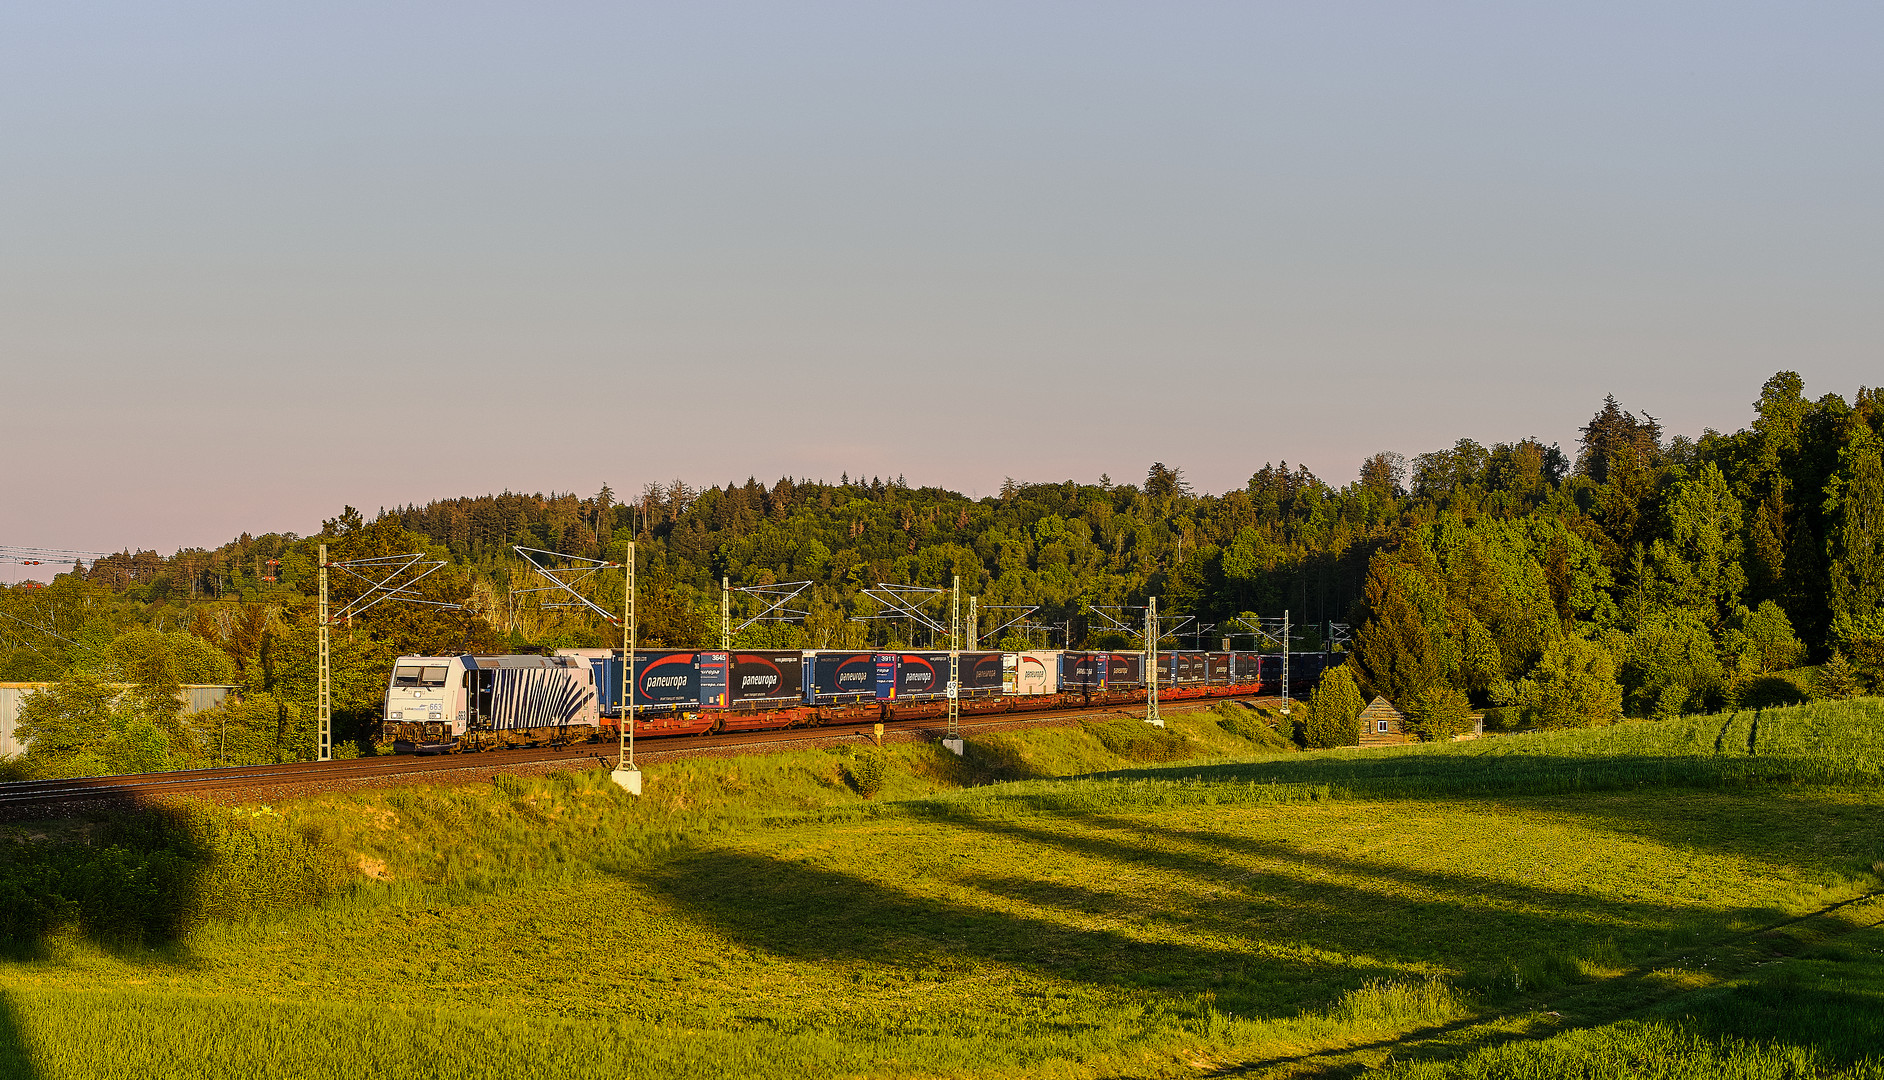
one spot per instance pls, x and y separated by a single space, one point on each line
1641 900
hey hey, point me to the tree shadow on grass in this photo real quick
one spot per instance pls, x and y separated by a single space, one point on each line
816 913
1600 786
16 1059
1845 1025
1353 904
1484 889
1830 1007
1266 928
1445 913
1425 775
1797 828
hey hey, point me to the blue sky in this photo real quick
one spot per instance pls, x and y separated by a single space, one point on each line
257 261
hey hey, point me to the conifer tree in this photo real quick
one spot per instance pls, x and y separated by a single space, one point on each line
1334 711
1857 548
1838 679
1399 648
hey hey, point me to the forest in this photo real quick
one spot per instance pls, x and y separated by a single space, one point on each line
1645 576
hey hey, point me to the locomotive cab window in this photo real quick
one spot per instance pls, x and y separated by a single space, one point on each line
414 675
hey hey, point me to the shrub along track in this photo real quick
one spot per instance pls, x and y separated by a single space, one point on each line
60 798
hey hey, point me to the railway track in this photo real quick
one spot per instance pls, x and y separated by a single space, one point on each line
43 798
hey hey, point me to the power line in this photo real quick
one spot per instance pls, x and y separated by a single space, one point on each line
36 556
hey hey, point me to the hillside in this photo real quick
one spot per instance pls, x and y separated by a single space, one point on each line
1649 893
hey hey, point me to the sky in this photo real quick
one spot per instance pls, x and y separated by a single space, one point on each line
260 261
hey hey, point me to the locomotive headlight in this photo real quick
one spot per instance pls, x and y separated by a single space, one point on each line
395 715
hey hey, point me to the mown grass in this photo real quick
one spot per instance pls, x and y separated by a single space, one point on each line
1805 1006
1830 743
1277 913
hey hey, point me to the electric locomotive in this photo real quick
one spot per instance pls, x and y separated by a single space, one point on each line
451 703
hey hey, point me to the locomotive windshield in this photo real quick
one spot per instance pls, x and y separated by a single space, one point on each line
414 675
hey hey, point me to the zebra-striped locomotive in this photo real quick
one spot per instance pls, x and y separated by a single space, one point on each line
451 703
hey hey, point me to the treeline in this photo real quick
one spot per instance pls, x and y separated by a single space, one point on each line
1656 578
1640 575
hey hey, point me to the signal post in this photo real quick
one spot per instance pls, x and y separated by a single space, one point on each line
325 703
626 773
952 741
1152 716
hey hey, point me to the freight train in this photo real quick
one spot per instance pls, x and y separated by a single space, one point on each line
449 704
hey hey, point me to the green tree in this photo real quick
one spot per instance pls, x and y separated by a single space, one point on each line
1701 565
83 726
1401 647
257 729
1670 667
1438 713
157 665
1763 641
1574 685
1862 641
1163 483
669 616
1774 444
1857 547
1623 458
183 658
359 664
1838 680
1334 711
77 713
1855 501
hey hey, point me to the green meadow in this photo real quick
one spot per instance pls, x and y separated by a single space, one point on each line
1680 899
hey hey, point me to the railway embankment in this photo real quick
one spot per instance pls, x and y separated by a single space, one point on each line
168 856
26 799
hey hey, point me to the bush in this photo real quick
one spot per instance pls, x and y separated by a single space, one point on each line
866 771
1573 685
1670 666
1139 741
1773 691
1506 718
1247 723
153 873
1334 711
1438 713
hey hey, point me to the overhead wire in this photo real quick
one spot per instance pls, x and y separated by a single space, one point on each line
27 555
